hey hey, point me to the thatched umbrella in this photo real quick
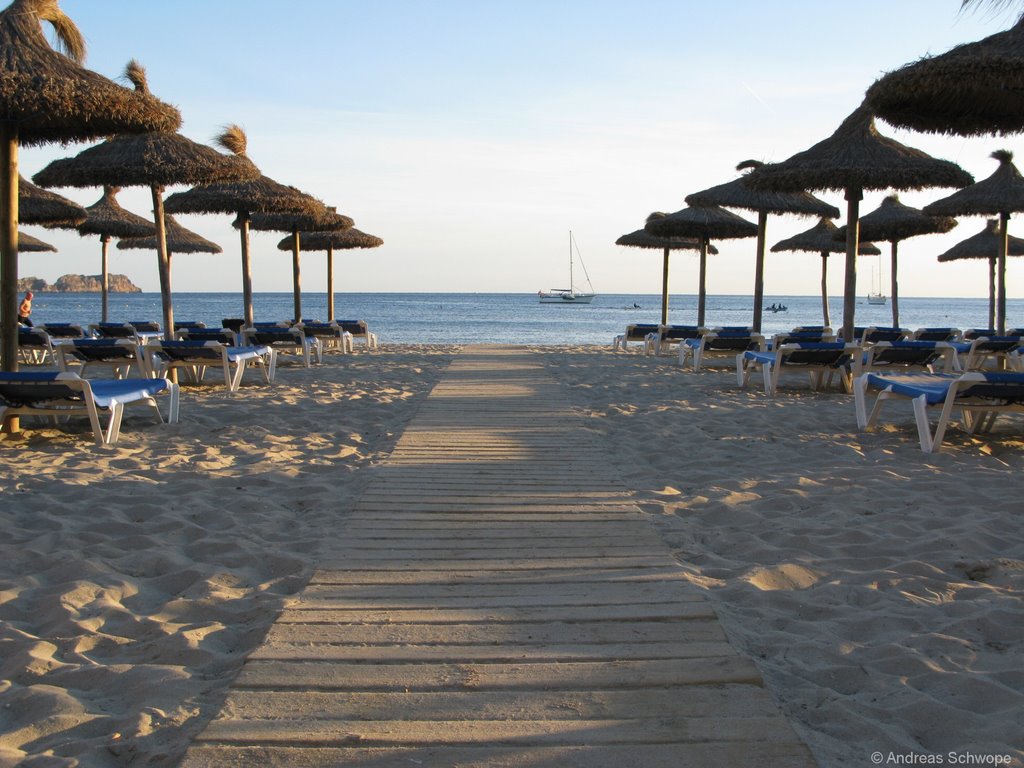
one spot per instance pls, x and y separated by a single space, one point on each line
108 219
641 238
855 158
296 223
737 194
973 89
46 96
986 245
1000 194
40 206
243 198
179 240
154 160
892 222
821 238
29 244
701 223
345 239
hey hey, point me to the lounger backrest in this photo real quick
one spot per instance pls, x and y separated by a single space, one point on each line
292 336
188 324
875 335
25 388
33 337
63 330
936 334
1002 387
145 326
802 336
102 349
996 343
732 340
676 332
187 349
355 327
113 330
815 353
907 352
976 333
223 335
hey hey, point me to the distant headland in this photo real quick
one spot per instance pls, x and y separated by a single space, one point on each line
78 284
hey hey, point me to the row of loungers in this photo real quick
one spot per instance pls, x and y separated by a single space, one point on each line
933 368
67 392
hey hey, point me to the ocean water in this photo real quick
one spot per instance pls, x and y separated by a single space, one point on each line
513 318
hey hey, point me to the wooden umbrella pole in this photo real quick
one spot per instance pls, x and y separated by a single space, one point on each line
762 229
9 250
9 258
824 289
664 288
243 229
296 281
330 284
853 198
1004 248
895 287
991 292
701 296
163 262
104 278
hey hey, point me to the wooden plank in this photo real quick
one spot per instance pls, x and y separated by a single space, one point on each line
505 596
494 555
693 702
704 755
336 573
510 615
511 564
597 675
685 648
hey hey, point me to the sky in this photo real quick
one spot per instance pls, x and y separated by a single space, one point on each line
473 135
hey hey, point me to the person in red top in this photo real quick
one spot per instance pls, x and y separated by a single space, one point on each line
25 310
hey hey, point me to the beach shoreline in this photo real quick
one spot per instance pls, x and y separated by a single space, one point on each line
879 590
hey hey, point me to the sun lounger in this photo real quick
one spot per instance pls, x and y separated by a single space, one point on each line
67 394
665 336
872 334
194 357
117 354
718 343
35 347
223 335
634 332
976 333
285 340
986 351
359 330
1015 360
820 359
932 356
184 325
138 331
980 396
331 335
801 336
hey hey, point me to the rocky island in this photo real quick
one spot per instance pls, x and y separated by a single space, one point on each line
78 284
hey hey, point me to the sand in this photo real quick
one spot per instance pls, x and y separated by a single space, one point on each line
879 590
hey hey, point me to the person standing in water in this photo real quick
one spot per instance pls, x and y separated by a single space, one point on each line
25 310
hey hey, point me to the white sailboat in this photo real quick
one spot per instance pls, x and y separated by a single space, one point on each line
875 296
569 295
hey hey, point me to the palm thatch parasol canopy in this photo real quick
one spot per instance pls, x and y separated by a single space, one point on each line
855 158
48 96
325 220
821 238
893 221
973 89
344 239
243 198
29 244
154 160
1000 194
738 194
701 223
40 206
987 244
108 219
641 238
179 240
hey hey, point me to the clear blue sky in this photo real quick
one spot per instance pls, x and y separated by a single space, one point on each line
471 136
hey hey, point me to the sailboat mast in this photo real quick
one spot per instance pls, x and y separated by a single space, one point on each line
570 262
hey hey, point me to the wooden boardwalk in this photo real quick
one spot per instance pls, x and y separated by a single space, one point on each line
497 599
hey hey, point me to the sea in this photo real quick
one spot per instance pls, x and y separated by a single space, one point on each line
513 318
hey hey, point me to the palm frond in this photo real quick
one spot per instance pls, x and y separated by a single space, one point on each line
233 139
69 40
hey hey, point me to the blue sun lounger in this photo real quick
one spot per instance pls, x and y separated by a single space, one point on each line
196 356
67 394
719 342
821 360
290 340
984 350
634 332
907 355
117 354
980 396
665 336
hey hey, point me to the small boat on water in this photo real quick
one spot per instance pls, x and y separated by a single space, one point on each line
875 295
569 295
876 298
777 308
